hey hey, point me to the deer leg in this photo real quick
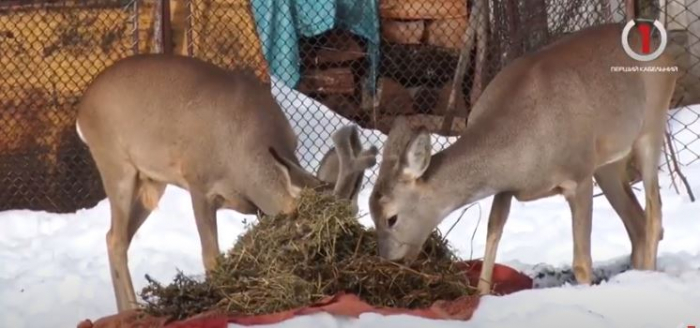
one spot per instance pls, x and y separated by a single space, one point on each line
121 277
119 182
648 150
140 210
500 208
580 201
205 217
612 181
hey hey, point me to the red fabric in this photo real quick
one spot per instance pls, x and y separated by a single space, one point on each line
505 281
351 306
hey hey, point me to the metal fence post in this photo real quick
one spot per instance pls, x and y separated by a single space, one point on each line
166 27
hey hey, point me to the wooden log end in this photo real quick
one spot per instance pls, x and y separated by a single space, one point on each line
338 80
447 33
418 9
403 32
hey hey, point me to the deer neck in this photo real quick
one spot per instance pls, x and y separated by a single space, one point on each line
465 172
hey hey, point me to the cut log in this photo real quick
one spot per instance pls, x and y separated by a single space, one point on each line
395 98
414 65
403 32
446 33
419 9
338 80
336 47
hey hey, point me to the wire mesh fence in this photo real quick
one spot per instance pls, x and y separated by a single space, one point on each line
369 61
331 62
49 51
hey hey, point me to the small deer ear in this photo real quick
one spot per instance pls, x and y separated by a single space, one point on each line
295 176
417 155
329 167
294 186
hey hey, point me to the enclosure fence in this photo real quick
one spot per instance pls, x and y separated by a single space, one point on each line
331 62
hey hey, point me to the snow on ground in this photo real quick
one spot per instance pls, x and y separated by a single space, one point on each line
54 269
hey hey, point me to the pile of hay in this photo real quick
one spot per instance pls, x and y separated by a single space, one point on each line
290 261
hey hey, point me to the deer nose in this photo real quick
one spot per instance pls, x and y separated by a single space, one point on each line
389 250
385 252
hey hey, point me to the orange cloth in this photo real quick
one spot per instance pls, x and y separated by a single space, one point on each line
505 281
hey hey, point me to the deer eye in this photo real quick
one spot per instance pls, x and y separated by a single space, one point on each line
392 221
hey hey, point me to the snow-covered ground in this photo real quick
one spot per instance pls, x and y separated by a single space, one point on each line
54 269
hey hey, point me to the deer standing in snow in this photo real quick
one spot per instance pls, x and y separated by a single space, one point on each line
152 120
546 125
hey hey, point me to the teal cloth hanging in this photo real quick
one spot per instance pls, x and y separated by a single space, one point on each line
280 24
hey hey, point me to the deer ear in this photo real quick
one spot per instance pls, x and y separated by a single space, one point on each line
296 177
329 167
293 183
417 155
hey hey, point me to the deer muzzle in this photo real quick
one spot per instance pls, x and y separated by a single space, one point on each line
393 250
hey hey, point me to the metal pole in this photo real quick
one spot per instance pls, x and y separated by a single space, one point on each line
158 27
188 27
630 7
166 27
135 33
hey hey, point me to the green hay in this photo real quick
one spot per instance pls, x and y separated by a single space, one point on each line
288 261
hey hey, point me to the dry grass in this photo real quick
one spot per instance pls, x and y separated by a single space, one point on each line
284 262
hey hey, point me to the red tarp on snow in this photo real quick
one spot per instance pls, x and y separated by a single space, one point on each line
505 281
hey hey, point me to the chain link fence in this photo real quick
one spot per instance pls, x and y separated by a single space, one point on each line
331 62
369 61
49 51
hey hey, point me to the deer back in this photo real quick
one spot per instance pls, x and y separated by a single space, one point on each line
549 117
190 123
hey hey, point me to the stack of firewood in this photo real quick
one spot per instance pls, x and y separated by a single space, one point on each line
328 64
421 41
436 23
